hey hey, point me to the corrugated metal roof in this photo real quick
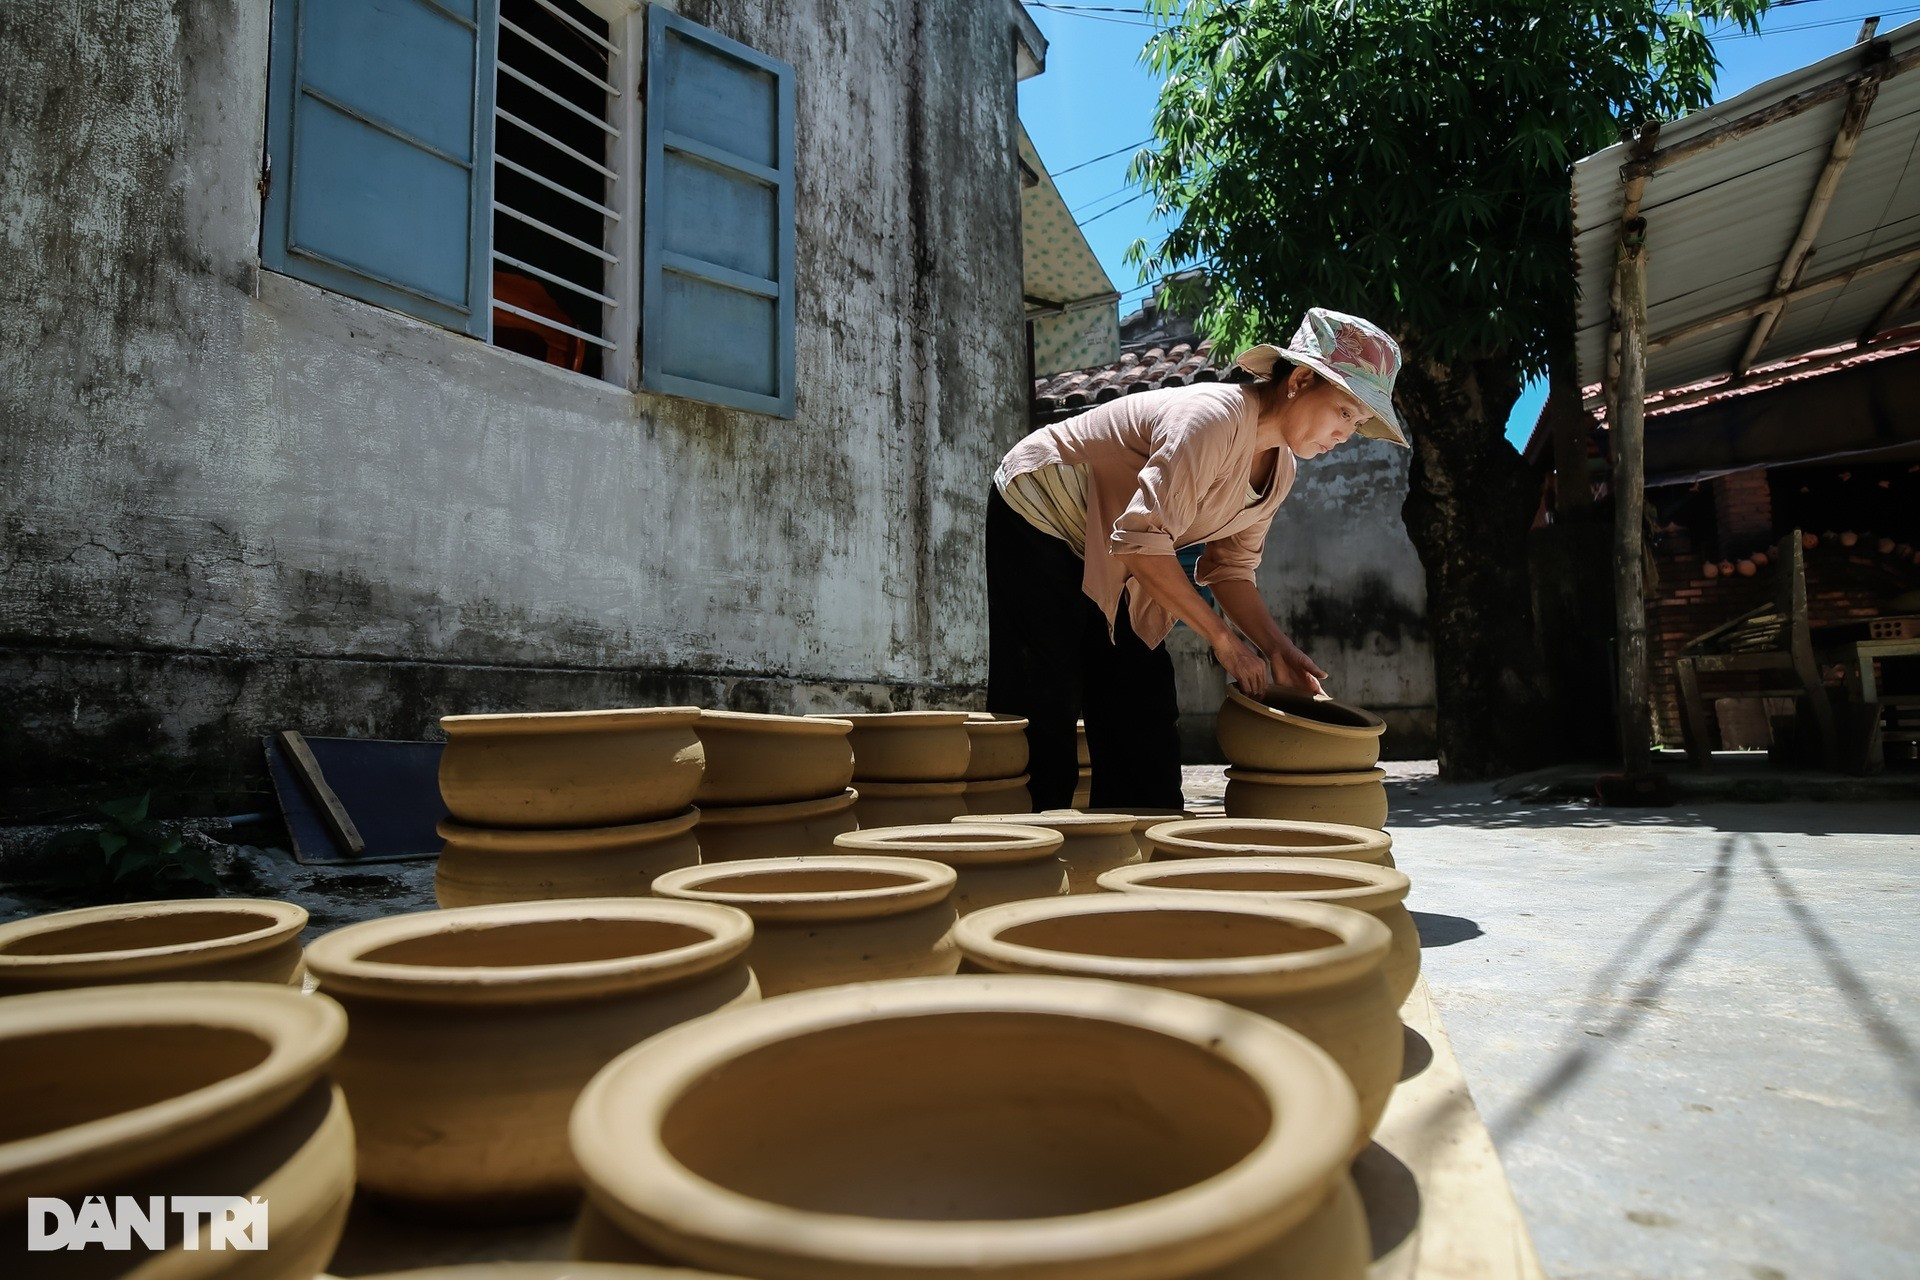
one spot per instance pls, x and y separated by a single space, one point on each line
1719 222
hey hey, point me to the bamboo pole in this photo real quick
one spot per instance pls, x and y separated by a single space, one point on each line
1748 310
1628 429
1891 312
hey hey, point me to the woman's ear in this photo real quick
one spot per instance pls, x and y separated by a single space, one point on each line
1301 379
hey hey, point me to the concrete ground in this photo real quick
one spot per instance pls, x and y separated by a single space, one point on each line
1694 1032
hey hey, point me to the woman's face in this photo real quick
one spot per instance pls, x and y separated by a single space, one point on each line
1321 417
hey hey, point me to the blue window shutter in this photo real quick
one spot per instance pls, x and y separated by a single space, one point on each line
380 140
717 239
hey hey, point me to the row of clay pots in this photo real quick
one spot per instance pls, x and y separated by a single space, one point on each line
779 786
996 774
1297 758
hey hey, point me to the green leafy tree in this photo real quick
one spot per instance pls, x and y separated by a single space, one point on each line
1410 161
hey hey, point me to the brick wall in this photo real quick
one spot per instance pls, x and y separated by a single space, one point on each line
1743 510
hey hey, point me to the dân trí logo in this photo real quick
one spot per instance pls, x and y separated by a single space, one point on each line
230 1222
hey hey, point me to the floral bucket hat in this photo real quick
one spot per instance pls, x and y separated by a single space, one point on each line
1353 354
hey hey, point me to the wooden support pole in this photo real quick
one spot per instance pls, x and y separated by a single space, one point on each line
1628 429
1898 304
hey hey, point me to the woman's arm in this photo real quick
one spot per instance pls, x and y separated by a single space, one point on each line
1167 582
1242 602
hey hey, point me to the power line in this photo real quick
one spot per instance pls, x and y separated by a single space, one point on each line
1123 204
1058 174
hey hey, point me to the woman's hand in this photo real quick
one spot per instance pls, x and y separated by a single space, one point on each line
1296 670
1244 665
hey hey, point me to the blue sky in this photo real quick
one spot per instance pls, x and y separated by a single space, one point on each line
1096 98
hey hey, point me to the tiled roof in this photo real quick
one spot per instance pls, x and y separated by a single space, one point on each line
1149 370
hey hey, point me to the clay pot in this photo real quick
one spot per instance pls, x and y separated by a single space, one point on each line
1287 732
1142 819
991 1127
757 759
182 940
910 746
1001 863
1355 799
1312 967
1091 842
548 1271
1268 838
906 804
821 922
793 830
999 746
473 1030
1379 891
570 768
178 1088
479 865
998 795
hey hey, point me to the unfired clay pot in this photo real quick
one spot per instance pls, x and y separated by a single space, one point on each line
570 768
905 804
910 746
998 795
1142 819
479 865
1288 732
169 1089
820 922
1315 968
1379 891
1001 863
990 1127
791 830
548 1271
1355 799
758 759
473 1030
180 940
999 746
1267 838
1092 842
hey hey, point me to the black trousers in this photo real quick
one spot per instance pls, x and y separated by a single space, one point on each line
1049 659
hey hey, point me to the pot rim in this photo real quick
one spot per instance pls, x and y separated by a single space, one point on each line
1375 887
303 1035
750 815
561 841
1373 727
1184 830
1362 946
546 1271
932 883
990 723
976 785
285 920
938 842
1067 824
335 959
1357 777
609 720
763 722
901 719
908 790
1206 1224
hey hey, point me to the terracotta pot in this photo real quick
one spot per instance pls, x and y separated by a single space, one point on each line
1379 891
548 1271
909 746
1353 799
178 1088
479 865
1315 968
1142 819
998 795
181 940
999 746
474 1029
906 804
1268 838
1092 842
1002 863
820 922
793 830
570 768
990 1127
756 759
1287 732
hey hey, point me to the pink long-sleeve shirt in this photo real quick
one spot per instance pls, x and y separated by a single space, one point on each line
1165 470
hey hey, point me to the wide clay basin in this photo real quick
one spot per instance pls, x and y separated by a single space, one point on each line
549 1271
1287 732
1267 838
763 759
177 940
474 1029
1040 1128
1379 891
839 918
796 829
998 795
1353 799
909 746
480 865
1316 968
906 804
571 768
167 1089
999 746
1092 842
1002 863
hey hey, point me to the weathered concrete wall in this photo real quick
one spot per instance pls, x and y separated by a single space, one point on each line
235 502
1341 577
